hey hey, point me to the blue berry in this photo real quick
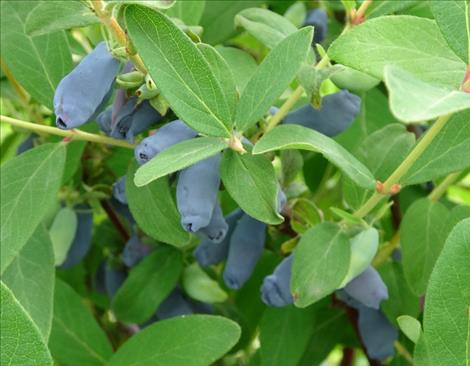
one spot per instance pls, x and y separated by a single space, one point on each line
245 249
319 20
114 278
174 305
368 288
119 190
217 228
336 114
26 144
275 290
134 251
84 91
104 120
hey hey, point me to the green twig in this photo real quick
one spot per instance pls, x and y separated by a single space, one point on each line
442 187
71 134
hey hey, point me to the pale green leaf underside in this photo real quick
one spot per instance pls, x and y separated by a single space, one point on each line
412 100
413 43
177 157
29 185
410 326
31 279
190 12
195 340
21 342
180 71
298 137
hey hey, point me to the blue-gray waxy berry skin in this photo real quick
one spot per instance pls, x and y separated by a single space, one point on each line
245 249
377 333
113 279
276 290
83 235
319 20
134 251
26 144
208 252
196 193
336 114
134 118
368 288
119 190
80 94
217 228
104 120
166 136
174 305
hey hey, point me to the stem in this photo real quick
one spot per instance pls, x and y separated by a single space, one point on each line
115 220
112 24
285 108
362 9
403 352
442 187
386 250
419 148
71 134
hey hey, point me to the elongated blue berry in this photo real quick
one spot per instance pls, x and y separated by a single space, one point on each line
275 290
245 249
104 120
174 305
80 94
170 134
119 190
83 234
134 251
26 144
122 210
336 114
196 193
114 278
217 228
208 252
368 288
319 20
281 200
377 333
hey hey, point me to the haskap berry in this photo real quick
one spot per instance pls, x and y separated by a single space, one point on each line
196 193
84 91
377 333
245 249
336 114
276 290
368 288
26 144
114 277
119 190
217 228
83 235
166 136
134 251
319 20
104 120
208 252
174 305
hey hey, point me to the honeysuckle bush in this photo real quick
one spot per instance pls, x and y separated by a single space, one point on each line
235 182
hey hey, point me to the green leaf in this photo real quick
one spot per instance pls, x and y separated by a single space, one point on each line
401 300
363 249
180 71
410 326
195 340
272 77
218 18
321 261
384 7
21 342
353 80
446 312
73 159
62 232
284 334
453 19
148 284
447 153
415 44
412 100
268 27
291 163
76 338
178 157
154 209
54 16
38 63
421 241
190 12
312 79
296 14
29 186
298 137
152 4
31 279
251 182
201 287
242 64
222 73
